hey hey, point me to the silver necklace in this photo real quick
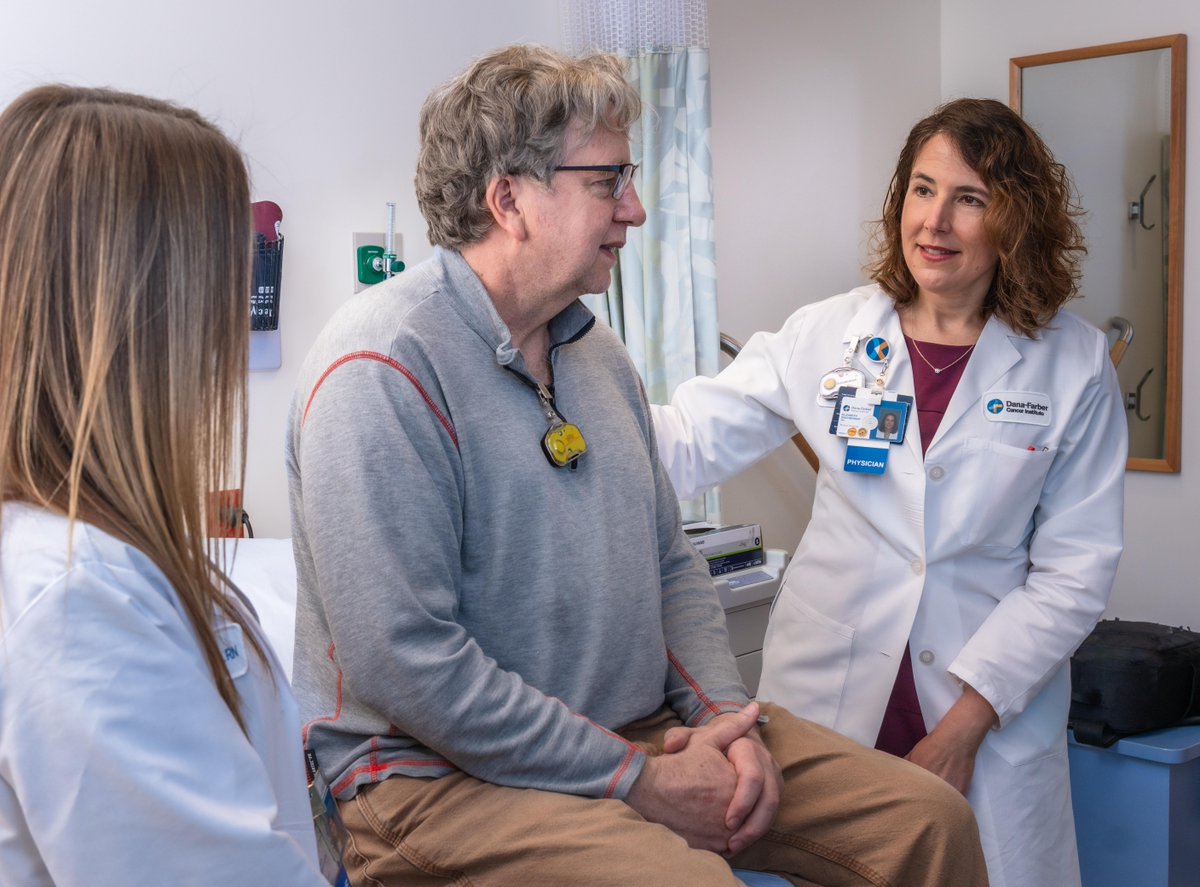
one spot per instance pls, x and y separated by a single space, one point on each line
940 370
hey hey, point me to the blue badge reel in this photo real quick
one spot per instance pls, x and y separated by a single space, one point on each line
871 422
877 349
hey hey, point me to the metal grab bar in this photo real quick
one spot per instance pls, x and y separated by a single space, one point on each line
732 347
1124 336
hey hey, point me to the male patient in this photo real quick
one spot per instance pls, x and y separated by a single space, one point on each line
500 620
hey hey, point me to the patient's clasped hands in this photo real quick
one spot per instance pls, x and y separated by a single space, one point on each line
716 786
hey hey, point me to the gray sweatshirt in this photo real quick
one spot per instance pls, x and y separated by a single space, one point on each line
464 604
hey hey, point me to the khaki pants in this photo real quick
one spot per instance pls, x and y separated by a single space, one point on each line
850 816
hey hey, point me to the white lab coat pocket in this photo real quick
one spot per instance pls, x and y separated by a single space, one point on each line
1040 730
995 489
806 656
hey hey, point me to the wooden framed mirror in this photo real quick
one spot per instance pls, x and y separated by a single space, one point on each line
1114 116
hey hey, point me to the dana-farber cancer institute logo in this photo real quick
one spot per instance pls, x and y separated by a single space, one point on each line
995 405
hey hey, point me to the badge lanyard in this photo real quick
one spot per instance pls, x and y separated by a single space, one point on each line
879 350
871 419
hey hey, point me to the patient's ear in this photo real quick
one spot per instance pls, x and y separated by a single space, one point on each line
504 199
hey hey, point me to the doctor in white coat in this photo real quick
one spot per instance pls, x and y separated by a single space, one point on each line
983 543
148 734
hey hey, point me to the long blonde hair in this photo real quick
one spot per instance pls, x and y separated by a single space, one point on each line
125 239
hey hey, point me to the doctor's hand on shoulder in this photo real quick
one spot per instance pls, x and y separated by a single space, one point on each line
950 748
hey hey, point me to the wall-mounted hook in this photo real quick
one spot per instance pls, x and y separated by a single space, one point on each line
1137 209
1133 399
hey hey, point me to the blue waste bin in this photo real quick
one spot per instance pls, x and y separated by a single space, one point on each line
1137 809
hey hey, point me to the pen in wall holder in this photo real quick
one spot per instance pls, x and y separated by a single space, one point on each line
264 290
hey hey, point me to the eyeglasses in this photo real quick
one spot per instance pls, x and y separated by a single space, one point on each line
622 171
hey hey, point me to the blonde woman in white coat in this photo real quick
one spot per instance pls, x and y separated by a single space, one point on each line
932 609
147 732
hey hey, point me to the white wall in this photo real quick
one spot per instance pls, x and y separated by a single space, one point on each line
1154 582
809 114
322 97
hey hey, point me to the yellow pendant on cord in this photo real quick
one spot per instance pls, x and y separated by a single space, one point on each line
564 444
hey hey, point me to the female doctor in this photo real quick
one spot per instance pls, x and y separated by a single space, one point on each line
947 575
147 732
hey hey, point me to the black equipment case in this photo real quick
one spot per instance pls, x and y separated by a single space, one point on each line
1130 677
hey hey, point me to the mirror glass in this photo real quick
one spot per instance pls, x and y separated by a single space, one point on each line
1114 116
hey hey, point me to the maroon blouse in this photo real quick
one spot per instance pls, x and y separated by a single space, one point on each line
903 725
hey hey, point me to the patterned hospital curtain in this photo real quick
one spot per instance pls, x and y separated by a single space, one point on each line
663 298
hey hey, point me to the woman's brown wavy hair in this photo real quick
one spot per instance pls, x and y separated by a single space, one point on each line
1030 218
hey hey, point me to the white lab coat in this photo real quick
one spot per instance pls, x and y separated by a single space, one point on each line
119 761
993 556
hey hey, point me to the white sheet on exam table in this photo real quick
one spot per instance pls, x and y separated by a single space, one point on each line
265 572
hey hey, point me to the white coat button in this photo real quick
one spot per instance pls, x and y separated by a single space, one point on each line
937 472
926 656
918 568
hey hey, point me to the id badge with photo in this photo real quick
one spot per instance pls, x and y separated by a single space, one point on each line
871 422
327 823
